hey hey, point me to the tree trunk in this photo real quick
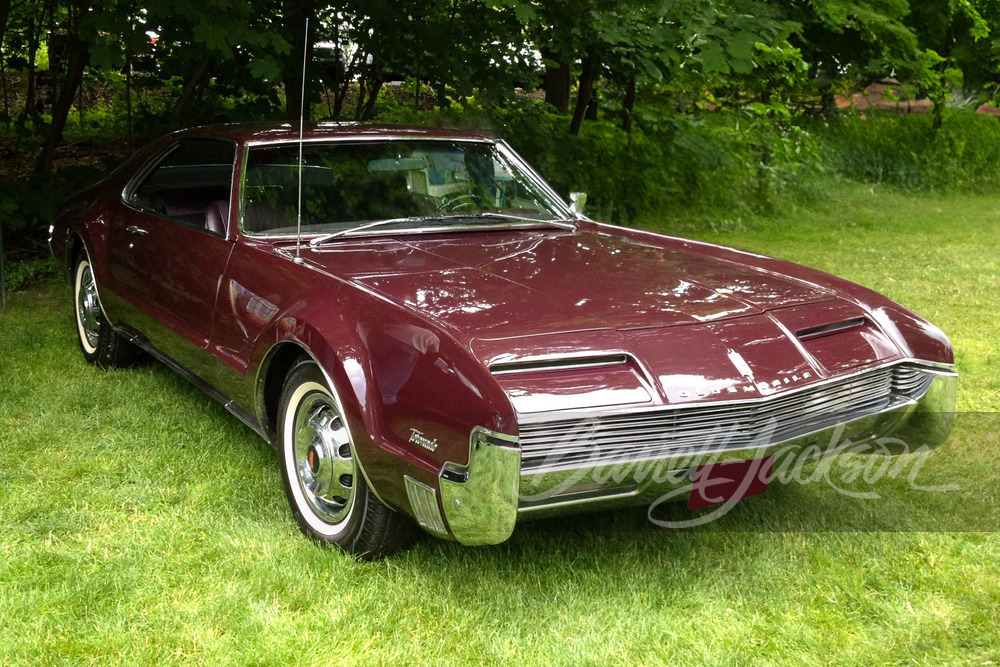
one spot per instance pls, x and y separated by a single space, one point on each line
60 110
369 109
828 103
343 86
628 106
593 107
33 108
6 99
441 96
191 87
584 92
556 81
30 109
937 114
128 97
4 14
295 14
350 71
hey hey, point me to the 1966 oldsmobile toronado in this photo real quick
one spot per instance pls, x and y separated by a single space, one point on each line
431 337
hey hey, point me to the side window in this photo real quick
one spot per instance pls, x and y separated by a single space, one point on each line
191 184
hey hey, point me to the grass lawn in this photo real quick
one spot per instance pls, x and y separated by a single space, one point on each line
140 523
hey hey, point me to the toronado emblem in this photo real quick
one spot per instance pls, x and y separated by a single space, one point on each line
418 438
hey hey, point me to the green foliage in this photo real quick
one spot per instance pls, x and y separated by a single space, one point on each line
22 275
907 152
24 209
730 164
27 209
713 93
698 163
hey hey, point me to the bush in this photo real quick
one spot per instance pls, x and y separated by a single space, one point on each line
27 208
21 275
702 168
906 151
678 165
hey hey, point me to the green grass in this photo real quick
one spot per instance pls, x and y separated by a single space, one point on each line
140 523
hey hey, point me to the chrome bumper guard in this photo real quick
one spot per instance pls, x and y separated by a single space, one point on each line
483 500
480 499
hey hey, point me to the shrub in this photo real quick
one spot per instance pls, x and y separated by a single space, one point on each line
906 151
707 162
21 275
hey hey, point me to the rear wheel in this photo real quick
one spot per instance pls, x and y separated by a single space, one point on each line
99 342
329 497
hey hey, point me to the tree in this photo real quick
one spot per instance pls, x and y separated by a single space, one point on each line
850 43
296 15
954 35
75 25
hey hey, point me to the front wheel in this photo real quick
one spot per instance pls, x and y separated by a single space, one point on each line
328 495
98 340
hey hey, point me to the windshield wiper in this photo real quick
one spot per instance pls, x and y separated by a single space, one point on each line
371 225
486 215
494 215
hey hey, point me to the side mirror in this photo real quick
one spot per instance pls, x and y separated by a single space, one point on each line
579 202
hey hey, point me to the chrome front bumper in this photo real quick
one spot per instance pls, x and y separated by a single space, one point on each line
483 500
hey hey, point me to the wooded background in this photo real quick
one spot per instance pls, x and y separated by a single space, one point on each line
724 99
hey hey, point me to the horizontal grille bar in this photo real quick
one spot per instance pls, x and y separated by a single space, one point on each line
673 431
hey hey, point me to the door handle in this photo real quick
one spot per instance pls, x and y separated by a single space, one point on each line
138 231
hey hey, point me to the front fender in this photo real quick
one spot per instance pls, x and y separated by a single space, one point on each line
411 392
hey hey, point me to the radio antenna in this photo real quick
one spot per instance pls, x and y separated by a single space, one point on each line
302 119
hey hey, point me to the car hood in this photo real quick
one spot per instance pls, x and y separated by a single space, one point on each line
491 285
567 320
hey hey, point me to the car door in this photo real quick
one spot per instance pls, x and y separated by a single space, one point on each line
170 246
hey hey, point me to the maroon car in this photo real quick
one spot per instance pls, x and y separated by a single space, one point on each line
430 336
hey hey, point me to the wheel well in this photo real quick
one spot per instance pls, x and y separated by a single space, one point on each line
278 364
74 247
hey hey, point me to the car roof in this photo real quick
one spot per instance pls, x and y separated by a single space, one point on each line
257 133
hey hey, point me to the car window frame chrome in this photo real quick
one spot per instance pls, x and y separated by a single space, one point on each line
154 163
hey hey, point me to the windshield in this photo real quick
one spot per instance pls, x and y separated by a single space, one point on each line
414 184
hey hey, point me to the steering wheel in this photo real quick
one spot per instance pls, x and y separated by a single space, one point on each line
459 203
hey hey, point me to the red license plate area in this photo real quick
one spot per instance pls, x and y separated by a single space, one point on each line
718 483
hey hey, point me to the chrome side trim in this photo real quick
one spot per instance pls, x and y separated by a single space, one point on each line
230 405
480 498
423 501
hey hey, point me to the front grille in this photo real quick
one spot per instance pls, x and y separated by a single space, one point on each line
675 431
911 381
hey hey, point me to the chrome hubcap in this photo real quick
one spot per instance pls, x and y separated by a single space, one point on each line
324 461
88 308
